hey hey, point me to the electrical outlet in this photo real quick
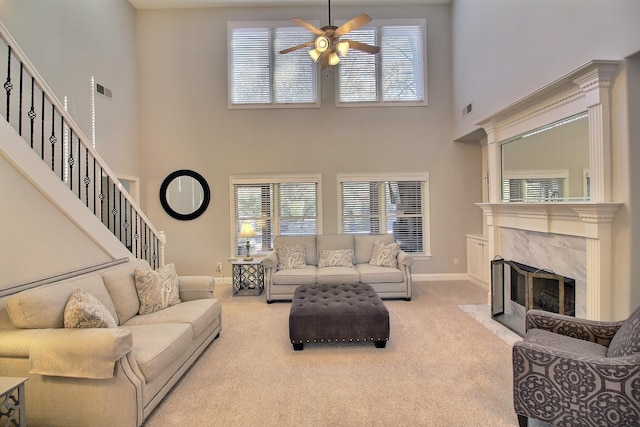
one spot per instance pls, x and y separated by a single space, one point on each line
219 267
456 261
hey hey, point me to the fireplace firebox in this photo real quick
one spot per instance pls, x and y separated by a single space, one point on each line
517 288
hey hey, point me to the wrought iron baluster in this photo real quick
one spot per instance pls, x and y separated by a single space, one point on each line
42 129
71 160
114 211
86 179
20 99
79 157
62 156
136 236
53 138
32 112
101 196
8 85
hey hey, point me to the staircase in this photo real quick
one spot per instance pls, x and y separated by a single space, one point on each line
43 142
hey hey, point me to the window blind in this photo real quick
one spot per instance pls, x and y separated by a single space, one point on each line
533 189
274 208
260 76
395 75
385 207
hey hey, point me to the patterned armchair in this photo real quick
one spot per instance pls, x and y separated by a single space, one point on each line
574 372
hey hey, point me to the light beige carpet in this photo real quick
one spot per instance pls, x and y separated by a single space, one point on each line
440 368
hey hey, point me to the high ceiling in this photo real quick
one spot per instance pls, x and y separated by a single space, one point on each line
174 4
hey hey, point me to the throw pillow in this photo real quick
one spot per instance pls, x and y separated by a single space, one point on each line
157 289
83 310
291 256
385 255
336 258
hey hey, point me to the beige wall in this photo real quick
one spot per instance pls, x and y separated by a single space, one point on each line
185 123
68 41
503 50
38 241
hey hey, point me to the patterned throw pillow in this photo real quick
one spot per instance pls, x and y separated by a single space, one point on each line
385 255
336 258
83 310
157 289
291 256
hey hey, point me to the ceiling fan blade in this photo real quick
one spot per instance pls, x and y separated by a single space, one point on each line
363 47
300 46
308 26
351 25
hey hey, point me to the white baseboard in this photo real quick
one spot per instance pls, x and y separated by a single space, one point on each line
440 277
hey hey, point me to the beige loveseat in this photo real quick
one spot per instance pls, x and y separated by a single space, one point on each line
103 376
388 281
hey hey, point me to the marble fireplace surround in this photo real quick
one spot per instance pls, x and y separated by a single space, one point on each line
570 239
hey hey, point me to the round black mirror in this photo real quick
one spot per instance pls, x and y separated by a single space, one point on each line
185 194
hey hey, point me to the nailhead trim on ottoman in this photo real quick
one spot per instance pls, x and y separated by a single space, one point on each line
337 313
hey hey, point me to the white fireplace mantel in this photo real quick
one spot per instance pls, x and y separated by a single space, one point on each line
584 89
585 219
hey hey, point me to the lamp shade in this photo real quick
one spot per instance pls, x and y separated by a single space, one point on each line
247 230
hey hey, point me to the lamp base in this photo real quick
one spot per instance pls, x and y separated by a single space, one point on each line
248 258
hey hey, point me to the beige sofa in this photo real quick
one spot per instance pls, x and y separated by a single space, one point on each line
102 376
388 282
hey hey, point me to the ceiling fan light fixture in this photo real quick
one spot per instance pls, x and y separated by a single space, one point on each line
322 43
334 59
342 48
314 54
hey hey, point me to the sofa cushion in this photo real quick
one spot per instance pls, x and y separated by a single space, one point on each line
364 245
304 276
83 310
121 284
309 243
156 346
626 342
198 313
376 274
335 241
291 256
43 307
337 275
335 258
157 289
385 254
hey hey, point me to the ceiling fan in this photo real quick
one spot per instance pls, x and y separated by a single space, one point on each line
328 47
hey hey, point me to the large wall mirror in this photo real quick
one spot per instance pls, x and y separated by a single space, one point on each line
185 194
548 164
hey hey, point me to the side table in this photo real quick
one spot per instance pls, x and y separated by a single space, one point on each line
248 277
12 412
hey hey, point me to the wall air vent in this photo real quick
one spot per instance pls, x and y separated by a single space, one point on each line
104 91
467 110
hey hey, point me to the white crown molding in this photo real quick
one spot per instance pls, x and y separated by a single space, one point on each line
191 4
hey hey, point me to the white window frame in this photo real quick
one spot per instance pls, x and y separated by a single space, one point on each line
384 177
541 174
380 103
231 25
268 180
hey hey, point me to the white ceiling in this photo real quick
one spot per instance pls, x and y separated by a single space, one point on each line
175 4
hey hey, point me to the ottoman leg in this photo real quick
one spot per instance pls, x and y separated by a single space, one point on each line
380 344
298 346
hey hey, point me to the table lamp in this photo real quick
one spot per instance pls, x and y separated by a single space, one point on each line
247 231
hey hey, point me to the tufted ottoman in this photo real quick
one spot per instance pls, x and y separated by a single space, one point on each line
337 313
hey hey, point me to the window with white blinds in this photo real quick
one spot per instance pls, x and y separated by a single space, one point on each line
397 75
273 206
533 189
259 76
387 205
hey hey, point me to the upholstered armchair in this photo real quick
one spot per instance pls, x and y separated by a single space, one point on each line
574 372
